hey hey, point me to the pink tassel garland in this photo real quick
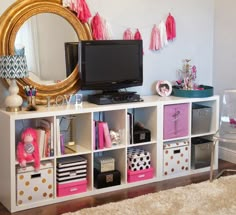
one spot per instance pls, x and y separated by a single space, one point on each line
101 30
170 27
128 35
155 43
137 35
107 30
97 26
83 12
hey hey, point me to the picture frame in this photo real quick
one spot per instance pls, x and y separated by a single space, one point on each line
164 88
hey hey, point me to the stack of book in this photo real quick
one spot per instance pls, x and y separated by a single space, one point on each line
102 138
44 131
105 174
71 175
71 168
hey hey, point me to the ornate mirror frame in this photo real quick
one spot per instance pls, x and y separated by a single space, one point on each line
11 21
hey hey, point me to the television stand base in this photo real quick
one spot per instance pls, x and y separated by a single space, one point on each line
114 98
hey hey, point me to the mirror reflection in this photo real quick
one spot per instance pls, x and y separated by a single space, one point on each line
42 38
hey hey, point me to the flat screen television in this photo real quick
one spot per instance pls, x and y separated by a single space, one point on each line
110 65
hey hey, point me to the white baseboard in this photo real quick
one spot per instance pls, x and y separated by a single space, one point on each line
227 154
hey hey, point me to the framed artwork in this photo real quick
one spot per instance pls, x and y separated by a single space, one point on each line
163 88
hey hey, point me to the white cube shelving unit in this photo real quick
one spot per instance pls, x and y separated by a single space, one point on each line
150 112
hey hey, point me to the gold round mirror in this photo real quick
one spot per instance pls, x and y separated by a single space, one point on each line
11 22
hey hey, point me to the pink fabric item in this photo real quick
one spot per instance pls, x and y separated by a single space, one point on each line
178 112
107 32
97 27
163 34
137 35
170 27
83 12
140 175
70 188
73 5
155 43
128 35
24 155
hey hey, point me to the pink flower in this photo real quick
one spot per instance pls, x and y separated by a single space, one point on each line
179 81
194 69
188 76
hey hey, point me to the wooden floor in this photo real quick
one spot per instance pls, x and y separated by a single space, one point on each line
74 205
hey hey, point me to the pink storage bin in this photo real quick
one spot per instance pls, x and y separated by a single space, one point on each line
70 188
176 121
140 175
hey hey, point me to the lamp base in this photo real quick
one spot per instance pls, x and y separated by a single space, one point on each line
13 101
13 109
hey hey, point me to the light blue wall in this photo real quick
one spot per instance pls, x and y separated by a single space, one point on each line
194 20
224 68
194 34
224 45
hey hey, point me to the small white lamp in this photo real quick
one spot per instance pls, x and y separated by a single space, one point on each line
13 67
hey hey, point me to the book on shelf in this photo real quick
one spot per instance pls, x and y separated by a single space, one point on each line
45 137
94 135
51 139
128 128
44 124
58 138
40 140
46 148
49 142
62 144
131 127
102 136
107 137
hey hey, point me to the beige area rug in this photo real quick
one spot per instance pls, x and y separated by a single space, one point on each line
216 198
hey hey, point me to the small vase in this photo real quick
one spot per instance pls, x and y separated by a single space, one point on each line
31 103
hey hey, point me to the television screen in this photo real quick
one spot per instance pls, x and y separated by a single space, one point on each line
110 64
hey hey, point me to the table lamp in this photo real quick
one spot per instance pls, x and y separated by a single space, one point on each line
13 67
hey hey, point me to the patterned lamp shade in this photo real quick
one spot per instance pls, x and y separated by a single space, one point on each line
13 66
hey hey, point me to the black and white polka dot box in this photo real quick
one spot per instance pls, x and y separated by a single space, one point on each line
138 159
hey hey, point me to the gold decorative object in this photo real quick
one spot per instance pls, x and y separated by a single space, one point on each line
11 21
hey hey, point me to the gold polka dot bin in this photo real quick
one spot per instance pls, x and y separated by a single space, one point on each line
34 186
176 155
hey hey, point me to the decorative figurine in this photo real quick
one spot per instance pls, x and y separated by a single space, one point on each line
27 148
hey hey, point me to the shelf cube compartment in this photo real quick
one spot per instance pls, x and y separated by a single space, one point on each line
73 133
176 121
201 119
200 152
141 125
34 186
71 175
175 157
